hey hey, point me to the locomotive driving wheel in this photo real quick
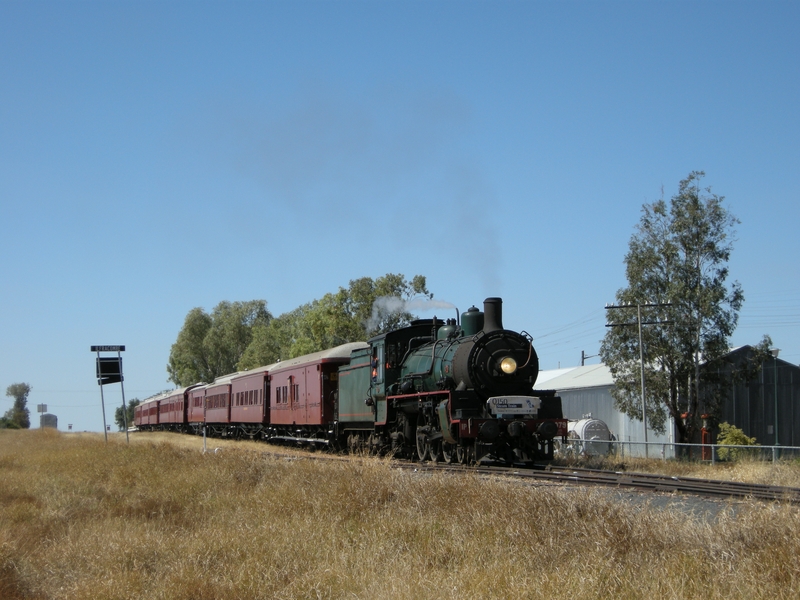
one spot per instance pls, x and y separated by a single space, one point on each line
449 452
423 447
435 450
462 454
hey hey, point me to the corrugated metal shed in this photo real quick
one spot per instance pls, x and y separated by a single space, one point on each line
751 405
586 391
766 407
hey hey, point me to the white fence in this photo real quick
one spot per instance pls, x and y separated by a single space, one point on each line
701 452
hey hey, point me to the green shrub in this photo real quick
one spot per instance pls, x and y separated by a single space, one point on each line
730 435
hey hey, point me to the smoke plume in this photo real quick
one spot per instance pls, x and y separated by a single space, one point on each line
386 306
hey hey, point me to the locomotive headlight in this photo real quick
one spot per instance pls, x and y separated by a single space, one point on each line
508 365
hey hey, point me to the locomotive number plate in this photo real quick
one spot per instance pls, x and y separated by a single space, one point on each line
514 405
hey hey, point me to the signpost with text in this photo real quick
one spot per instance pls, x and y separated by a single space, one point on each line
109 370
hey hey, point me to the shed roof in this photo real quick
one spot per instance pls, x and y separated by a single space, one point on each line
544 377
589 376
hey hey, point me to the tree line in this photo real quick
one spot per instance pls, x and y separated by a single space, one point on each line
237 336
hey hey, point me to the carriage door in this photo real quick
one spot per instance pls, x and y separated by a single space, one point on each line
305 396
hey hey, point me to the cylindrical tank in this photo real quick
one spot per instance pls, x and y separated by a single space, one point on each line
592 436
48 420
471 321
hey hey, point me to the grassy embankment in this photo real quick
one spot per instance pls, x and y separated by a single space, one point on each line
80 519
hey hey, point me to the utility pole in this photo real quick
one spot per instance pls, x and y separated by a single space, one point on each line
584 356
639 324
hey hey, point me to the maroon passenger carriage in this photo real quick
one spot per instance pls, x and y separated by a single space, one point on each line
303 404
196 409
218 406
146 415
165 411
289 401
250 403
173 409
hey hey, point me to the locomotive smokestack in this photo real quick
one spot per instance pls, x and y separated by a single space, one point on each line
493 314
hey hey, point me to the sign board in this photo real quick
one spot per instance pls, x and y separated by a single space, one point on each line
42 408
514 405
109 370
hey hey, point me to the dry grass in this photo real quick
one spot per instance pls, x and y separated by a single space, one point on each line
82 519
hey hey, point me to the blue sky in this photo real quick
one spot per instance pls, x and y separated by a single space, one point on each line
159 156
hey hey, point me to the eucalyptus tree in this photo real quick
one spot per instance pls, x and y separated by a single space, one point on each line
285 336
209 346
18 416
677 258
126 419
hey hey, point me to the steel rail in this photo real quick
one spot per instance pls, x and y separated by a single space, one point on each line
635 481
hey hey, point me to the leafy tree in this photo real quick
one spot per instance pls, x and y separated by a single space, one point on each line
730 435
18 416
130 414
365 308
283 337
212 345
188 360
678 256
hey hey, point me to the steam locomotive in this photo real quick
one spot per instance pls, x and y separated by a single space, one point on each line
434 390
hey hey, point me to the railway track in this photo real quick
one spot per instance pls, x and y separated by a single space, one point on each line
643 482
